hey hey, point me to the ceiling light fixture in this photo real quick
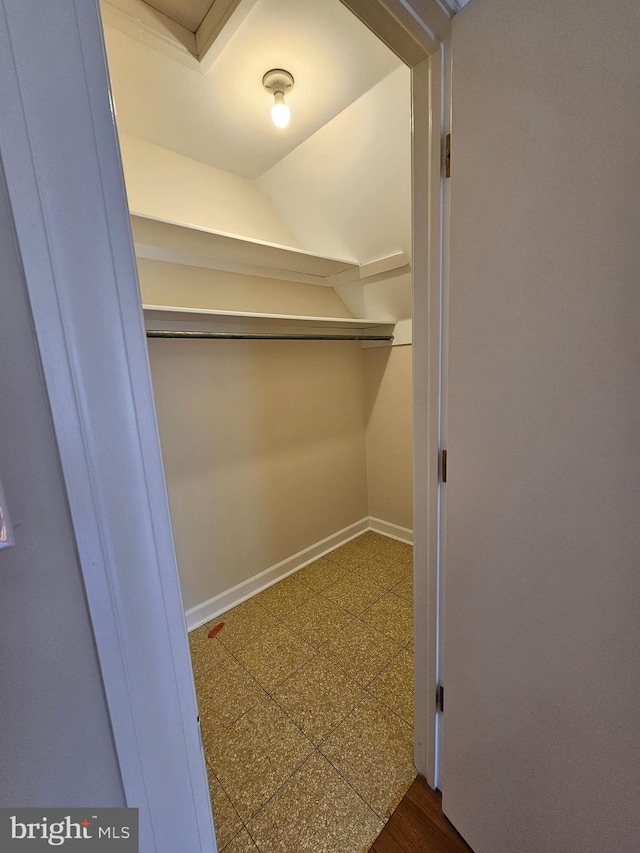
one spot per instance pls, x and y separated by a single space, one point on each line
278 81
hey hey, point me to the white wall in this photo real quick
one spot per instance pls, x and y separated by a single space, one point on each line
167 185
347 189
264 451
55 732
220 115
389 434
270 447
389 298
163 283
263 442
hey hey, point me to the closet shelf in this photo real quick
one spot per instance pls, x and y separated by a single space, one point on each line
180 243
168 318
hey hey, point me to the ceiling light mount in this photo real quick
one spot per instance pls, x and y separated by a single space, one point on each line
278 81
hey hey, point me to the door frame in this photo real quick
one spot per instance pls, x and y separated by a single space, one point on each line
75 243
419 33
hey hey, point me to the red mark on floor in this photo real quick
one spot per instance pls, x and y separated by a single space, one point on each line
215 630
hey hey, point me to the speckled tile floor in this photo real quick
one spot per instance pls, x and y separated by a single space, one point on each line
306 704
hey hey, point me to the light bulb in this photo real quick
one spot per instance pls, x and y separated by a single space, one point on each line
280 112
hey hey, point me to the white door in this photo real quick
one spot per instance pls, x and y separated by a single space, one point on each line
541 744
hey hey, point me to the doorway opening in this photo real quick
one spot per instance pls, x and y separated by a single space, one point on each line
288 463
112 452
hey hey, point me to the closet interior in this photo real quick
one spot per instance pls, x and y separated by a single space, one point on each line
275 278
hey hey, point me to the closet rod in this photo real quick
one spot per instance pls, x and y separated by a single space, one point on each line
244 336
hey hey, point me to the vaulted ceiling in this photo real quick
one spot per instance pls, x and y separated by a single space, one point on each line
187 13
221 114
191 13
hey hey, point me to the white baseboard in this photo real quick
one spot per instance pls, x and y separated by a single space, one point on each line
394 531
208 610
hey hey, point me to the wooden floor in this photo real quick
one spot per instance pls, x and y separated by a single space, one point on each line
419 826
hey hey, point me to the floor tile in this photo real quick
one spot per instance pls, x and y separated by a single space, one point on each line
318 697
353 594
227 692
315 812
205 651
399 550
242 843
392 616
361 651
275 656
351 554
405 588
321 574
373 750
226 818
268 775
243 624
317 620
256 756
394 686
372 539
382 570
284 596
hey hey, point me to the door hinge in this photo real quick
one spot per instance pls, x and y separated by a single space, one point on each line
443 466
440 699
447 156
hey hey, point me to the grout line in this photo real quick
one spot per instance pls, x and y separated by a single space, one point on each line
390 709
268 695
358 618
318 653
284 680
337 769
315 643
280 788
339 772
293 672
206 743
240 716
316 748
210 769
339 723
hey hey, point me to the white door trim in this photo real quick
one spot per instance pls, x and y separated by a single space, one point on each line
427 319
60 153
418 32
412 32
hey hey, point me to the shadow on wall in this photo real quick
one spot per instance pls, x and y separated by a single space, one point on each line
264 452
389 433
